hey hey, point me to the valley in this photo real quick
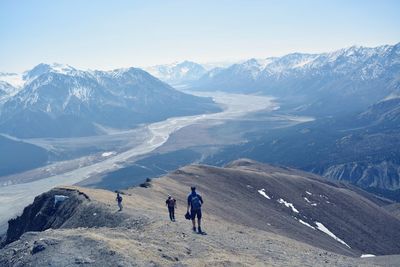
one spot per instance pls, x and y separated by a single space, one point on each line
19 190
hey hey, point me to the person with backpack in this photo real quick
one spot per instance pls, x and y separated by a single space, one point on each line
171 204
119 200
195 201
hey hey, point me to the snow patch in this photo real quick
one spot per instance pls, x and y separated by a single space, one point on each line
322 228
307 200
308 193
107 154
306 224
81 92
287 204
262 192
367 256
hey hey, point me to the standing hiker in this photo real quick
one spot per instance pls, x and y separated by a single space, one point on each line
195 201
171 204
119 200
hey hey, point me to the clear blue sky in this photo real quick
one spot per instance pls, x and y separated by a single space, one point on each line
110 34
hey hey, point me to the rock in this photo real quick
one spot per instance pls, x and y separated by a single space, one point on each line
38 246
83 261
169 257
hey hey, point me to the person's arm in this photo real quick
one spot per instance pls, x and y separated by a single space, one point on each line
188 201
166 202
201 199
175 204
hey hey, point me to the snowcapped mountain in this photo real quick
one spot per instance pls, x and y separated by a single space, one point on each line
59 100
13 79
177 73
353 73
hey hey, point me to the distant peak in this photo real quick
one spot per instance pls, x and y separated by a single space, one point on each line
43 68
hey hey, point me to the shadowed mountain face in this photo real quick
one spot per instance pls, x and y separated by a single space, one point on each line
17 156
362 148
253 213
59 101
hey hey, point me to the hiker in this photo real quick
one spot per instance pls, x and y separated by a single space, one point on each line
171 204
194 203
119 200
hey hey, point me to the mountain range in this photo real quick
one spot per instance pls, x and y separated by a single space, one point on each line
59 101
313 84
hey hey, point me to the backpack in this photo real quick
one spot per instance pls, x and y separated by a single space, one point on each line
195 202
119 198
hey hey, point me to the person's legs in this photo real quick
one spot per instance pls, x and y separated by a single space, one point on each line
173 213
199 220
120 206
193 215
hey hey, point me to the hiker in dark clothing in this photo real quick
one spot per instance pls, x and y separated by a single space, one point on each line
195 201
119 200
171 204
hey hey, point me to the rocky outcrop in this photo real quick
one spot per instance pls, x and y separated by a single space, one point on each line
44 213
77 210
384 174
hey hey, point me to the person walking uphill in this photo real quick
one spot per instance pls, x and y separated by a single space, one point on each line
119 200
171 204
194 203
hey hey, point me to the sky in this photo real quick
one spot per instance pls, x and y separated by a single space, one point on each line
101 34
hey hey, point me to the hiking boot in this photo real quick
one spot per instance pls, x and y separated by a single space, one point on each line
199 230
194 229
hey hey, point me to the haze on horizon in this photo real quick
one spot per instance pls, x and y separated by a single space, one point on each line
105 35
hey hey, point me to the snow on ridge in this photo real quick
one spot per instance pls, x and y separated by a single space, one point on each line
322 228
262 192
62 68
13 79
287 204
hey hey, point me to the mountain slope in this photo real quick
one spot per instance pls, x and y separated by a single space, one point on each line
18 156
244 227
59 101
294 196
